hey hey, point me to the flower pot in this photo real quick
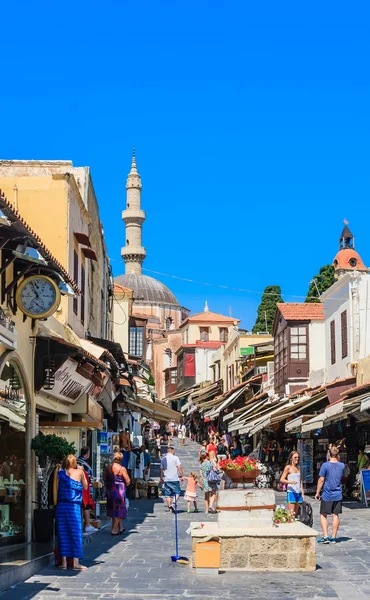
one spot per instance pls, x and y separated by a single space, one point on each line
238 476
43 520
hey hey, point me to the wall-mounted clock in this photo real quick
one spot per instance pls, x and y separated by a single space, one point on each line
38 296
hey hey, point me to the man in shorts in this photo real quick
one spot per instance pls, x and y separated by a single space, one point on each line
330 482
171 473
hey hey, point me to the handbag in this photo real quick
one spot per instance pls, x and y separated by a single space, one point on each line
213 476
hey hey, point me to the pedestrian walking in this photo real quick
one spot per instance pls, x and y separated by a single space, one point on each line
168 433
87 501
211 449
181 434
71 482
202 449
147 463
362 460
191 490
158 443
222 450
236 448
116 479
292 478
171 472
209 488
330 483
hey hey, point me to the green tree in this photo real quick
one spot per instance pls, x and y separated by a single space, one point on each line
320 283
50 450
266 310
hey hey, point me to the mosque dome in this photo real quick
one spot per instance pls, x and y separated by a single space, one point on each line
147 289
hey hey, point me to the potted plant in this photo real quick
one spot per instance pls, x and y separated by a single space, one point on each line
50 450
242 469
283 515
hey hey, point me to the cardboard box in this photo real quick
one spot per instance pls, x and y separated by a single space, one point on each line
96 524
208 555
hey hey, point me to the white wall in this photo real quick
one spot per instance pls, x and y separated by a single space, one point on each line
350 293
203 360
121 321
317 345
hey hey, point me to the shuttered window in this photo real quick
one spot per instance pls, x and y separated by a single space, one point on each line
332 341
344 331
75 277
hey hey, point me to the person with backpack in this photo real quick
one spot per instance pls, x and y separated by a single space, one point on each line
330 484
209 487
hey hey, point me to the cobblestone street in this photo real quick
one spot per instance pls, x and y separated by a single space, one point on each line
138 565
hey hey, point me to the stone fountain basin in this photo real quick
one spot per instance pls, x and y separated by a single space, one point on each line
288 547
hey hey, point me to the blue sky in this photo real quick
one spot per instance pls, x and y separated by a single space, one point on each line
251 123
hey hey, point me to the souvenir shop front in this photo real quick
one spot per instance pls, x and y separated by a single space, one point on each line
349 434
272 449
15 471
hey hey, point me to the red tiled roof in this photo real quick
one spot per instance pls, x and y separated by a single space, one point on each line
44 250
354 390
209 317
301 311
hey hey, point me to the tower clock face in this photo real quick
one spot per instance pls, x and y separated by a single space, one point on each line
38 296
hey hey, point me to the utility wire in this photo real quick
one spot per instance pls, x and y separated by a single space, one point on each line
234 289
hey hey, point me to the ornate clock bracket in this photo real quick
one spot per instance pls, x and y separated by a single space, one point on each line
12 285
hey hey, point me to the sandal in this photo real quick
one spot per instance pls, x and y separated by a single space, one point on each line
121 531
117 533
61 568
79 568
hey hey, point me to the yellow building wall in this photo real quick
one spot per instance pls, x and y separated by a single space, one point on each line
193 330
43 203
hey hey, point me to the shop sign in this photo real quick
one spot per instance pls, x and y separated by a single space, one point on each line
69 385
305 450
246 351
96 390
71 434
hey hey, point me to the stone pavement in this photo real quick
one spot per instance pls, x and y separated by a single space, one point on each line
138 566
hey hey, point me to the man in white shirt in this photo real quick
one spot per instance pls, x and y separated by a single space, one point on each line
171 473
182 434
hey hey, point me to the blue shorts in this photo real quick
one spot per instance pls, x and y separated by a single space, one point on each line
294 497
171 488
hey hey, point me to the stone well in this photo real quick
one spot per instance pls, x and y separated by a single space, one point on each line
249 540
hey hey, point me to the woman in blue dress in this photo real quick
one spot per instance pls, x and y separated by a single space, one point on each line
71 482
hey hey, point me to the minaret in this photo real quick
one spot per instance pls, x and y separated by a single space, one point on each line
133 252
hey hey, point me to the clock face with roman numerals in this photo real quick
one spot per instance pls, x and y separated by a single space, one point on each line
38 296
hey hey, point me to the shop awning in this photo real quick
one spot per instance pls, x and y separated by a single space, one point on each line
245 415
295 424
205 394
261 421
317 422
156 410
365 403
229 400
15 420
180 395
